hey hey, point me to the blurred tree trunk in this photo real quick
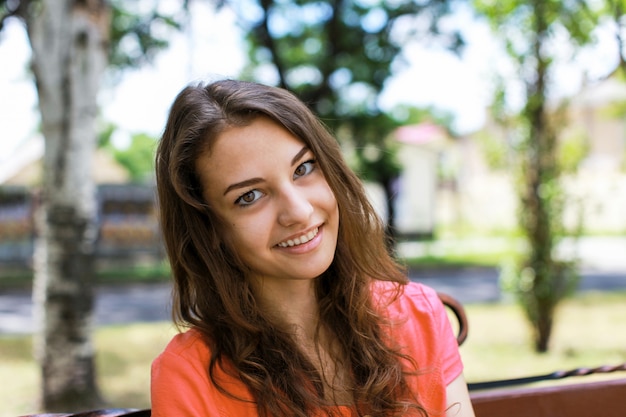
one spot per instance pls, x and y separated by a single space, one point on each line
540 172
616 10
69 43
529 30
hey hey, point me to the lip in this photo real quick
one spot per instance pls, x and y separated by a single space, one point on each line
304 247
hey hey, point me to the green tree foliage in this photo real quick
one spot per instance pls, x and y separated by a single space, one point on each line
529 30
572 150
614 11
337 55
139 31
138 157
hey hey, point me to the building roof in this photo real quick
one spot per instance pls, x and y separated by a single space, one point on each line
426 133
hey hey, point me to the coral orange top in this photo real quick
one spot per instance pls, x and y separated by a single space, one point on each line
181 386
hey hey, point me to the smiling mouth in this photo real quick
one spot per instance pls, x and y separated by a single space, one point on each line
300 240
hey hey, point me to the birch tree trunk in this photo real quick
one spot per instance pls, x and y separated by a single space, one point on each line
69 44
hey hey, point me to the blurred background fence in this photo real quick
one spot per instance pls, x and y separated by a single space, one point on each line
126 222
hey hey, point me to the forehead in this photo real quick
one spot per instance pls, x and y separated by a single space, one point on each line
251 139
242 152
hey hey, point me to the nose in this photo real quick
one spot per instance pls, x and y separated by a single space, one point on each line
294 207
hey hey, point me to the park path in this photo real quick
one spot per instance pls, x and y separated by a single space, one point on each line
150 302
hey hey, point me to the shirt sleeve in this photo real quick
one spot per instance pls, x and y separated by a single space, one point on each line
451 363
429 315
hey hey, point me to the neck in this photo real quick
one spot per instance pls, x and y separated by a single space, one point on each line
292 302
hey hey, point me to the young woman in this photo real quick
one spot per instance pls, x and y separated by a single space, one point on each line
290 303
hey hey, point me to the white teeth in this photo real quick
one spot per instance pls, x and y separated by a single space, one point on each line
299 240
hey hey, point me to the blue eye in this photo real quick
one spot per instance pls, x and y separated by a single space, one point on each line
248 198
304 168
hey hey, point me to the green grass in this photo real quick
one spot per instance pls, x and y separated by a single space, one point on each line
458 261
134 273
124 357
22 277
124 354
460 254
590 331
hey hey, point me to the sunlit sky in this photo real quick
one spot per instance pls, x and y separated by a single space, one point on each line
215 50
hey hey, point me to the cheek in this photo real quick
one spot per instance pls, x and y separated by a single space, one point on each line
329 199
251 232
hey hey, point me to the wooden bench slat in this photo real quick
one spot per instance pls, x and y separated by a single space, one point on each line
603 398
107 412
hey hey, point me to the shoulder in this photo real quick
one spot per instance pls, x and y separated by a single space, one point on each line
402 299
181 385
187 343
419 325
186 350
415 315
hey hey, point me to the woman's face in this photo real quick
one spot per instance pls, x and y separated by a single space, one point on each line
266 185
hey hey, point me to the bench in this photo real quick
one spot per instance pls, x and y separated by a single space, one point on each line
521 398
586 399
107 412
590 399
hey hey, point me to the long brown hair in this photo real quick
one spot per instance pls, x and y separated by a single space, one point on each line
210 290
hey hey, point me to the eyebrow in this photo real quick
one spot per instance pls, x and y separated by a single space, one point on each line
299 155
256 180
